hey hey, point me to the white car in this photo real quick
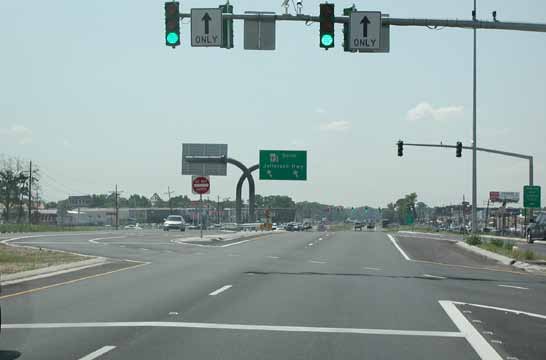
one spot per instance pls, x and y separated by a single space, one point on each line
174 222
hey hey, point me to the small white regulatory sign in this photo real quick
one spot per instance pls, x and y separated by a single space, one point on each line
365 30
206 27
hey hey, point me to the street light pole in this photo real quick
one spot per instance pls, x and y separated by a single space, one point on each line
474 141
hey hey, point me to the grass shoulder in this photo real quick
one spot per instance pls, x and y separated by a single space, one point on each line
17 259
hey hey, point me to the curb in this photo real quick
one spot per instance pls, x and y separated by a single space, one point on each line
51 271
505 260
47 271
222 238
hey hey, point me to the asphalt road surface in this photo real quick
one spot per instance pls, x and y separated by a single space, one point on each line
345 295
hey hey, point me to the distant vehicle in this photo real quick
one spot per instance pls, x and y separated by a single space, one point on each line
307 226
358 226
370 226
132 227
321 227
536 229
291 227
174 222
299 227
193 227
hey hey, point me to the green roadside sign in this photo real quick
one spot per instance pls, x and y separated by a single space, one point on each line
531 197
283 165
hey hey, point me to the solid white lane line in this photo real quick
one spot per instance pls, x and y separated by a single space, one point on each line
319 239
95 241
517 312
308 329
273 257
476 340
318 262
393 240
222 289
514 287
372 268
434 276
95 354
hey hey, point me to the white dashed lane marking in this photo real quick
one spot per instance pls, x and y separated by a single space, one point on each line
221 290
372 268
95 354
318 262
514 287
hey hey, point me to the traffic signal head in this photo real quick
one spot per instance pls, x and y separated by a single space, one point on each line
327 17
459 149
400 148
172 24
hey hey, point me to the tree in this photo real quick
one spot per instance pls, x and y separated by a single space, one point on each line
14 185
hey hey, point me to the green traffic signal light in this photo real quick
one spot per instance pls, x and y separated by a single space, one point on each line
327 40
172 38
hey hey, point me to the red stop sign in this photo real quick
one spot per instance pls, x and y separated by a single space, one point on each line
200 185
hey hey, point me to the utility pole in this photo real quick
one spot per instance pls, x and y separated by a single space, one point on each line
169 192
30 195
116 205
474 142
218 210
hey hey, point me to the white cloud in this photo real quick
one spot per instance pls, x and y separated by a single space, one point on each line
425 111
18 133
335 126
320 110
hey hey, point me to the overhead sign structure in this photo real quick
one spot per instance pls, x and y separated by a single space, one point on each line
204 151
283 165
502 196
531 197
260 33
206 27
365 30
200 185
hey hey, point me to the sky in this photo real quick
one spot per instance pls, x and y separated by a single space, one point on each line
90 93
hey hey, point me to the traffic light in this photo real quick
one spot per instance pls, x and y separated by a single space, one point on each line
400 148
227 33
172 24
459 149
327 17
347 12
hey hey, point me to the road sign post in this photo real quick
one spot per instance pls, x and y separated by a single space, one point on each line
200 185
531 197
206 27
283 165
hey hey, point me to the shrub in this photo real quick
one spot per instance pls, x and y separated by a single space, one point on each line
497 242
473 240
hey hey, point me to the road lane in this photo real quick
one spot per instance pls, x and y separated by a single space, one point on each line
272 284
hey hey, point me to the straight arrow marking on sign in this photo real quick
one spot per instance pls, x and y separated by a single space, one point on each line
365 21
206 18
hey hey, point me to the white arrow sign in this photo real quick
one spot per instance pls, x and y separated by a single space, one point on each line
206 27
365 30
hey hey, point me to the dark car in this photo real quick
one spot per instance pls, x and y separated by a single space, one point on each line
370 226
358 226
537 229
291 227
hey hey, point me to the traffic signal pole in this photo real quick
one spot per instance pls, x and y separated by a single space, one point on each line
492 151
463 24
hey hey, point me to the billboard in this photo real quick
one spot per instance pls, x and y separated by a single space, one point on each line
503 196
